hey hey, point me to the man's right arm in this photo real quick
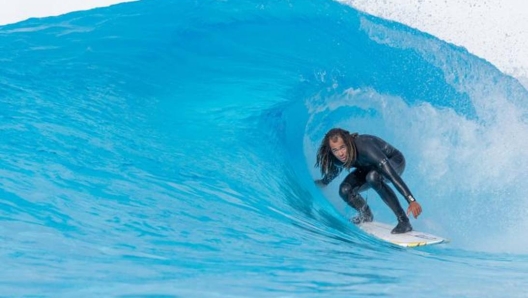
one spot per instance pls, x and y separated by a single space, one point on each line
328 177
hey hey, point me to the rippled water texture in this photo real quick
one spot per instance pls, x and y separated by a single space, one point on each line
167 148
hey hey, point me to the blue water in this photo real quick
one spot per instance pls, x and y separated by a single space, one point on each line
166 148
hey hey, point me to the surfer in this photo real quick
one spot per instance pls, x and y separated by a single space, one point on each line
375 163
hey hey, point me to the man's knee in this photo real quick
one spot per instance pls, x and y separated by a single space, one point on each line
351 196
374 179
344 190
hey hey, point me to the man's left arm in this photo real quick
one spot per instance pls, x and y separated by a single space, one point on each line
395 178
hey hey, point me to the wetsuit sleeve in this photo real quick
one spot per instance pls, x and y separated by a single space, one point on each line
396 179
327 178
381 162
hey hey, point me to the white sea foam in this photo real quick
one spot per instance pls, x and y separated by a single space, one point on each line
16 11
495 30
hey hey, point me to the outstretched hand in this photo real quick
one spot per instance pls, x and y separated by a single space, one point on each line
415 209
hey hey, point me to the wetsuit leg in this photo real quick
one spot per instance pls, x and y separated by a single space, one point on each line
350 188
376 181
349 191
398 163
379 184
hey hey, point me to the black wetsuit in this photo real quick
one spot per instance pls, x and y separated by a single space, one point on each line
377 162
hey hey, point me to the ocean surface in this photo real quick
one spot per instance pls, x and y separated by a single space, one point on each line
167 149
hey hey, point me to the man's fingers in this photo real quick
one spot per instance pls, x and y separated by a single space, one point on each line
418 211
415 210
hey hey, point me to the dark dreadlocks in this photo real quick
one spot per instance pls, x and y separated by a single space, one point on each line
325 158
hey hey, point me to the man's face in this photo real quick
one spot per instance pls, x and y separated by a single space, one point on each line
339 149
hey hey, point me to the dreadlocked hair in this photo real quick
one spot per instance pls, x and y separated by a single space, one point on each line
326 159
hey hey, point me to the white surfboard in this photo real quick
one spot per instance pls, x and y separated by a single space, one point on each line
409 239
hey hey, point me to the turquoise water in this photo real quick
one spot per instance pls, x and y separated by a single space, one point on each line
166 148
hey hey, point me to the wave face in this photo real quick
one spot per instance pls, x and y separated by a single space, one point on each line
167 148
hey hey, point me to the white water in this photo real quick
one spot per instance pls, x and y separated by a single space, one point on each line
495 30
13 11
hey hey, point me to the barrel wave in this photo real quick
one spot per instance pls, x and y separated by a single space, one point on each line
168 147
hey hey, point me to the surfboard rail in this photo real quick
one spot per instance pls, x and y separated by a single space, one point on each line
410 239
